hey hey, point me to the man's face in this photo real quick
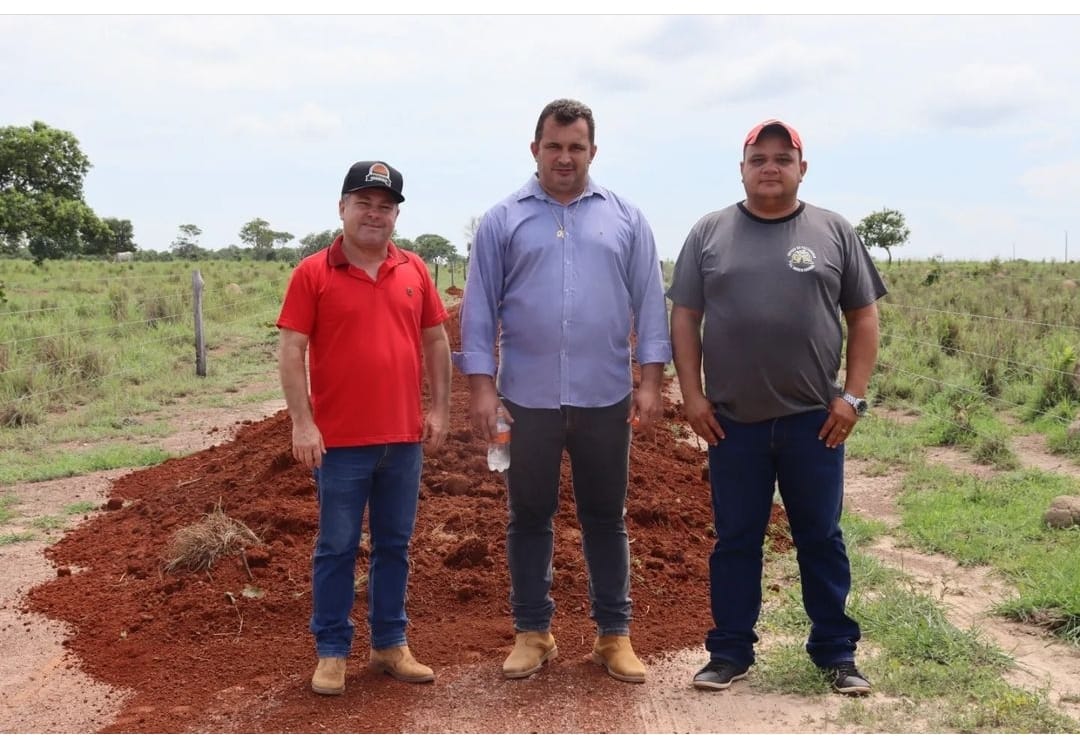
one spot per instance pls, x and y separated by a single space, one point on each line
562 157
368 217
772 169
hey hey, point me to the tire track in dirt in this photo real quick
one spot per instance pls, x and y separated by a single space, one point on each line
42 687
969 594
43 691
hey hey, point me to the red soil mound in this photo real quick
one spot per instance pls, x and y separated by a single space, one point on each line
190 645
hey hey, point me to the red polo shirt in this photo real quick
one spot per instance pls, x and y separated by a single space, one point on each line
364 343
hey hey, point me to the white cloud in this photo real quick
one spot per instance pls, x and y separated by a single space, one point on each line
885 103
981 95
1056 183
310 121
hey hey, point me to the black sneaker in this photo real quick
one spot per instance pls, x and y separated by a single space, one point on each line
718 675
846 679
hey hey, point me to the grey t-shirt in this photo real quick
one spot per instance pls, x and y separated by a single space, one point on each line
772 292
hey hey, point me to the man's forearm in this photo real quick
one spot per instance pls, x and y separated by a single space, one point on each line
293 373
652 376
862 350
437 362
686 350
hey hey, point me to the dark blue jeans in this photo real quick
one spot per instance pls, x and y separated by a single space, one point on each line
386 479
743 470
598 442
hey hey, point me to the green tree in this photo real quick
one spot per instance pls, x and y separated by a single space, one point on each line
112 236
403 243
185 245
471 228
43 247
121 235
884 229
314 242
435 249
41 160
41 192
258 236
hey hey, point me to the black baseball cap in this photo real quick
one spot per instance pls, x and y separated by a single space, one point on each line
373 174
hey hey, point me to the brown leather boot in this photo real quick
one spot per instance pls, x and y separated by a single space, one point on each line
329 677
616 654
531 649
399 663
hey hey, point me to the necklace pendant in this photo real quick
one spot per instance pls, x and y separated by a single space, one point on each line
560 233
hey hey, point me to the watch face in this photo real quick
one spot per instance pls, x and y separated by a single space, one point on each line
861 407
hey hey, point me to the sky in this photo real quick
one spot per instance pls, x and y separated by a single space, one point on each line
966 124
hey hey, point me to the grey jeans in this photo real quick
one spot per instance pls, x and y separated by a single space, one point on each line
598 442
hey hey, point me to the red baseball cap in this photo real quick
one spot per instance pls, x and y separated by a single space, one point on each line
752 137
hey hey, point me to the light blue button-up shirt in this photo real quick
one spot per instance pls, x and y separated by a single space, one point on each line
562 308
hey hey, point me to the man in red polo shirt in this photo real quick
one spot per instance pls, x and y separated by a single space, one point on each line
365 314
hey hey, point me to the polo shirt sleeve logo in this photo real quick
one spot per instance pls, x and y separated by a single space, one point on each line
408 291
801 258
380 173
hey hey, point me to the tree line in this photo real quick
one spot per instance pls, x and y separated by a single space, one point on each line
43 215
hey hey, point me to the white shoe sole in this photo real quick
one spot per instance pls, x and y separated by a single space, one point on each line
705 685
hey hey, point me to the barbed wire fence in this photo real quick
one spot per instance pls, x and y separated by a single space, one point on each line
63 354
176 329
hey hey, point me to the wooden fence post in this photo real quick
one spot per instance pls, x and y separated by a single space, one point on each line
200 342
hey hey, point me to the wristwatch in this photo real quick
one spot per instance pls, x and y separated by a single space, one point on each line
859 404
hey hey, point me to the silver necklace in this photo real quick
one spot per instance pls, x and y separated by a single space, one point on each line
561 232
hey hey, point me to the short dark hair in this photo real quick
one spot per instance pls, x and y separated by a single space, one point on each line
567 111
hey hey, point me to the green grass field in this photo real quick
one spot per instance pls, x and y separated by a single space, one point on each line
972 355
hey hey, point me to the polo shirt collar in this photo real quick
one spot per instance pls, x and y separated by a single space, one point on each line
335 254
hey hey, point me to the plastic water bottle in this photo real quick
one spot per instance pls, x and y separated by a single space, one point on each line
499 448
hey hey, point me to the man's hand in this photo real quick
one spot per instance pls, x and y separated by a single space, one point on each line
307 444
647 404
837 427
436 428
699 414
483 406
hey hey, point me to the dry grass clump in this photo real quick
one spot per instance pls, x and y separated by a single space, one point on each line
198 546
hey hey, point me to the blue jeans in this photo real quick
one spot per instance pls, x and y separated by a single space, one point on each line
386 479
598 442
743 469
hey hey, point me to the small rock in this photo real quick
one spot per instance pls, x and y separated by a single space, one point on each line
63 571
114 504
1073 431
457 485
258 557
1064 512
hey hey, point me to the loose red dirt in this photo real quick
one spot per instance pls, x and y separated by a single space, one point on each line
229 649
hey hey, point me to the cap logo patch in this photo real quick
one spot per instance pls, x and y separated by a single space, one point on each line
801 258
379 173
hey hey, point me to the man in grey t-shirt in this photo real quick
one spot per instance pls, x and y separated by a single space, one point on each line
771 277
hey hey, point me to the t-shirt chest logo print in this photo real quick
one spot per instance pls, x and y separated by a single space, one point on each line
801 258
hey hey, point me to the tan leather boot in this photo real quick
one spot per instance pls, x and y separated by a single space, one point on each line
329 677
399 663
531 649
616 654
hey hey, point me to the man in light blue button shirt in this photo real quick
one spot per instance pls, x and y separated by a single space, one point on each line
562 271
